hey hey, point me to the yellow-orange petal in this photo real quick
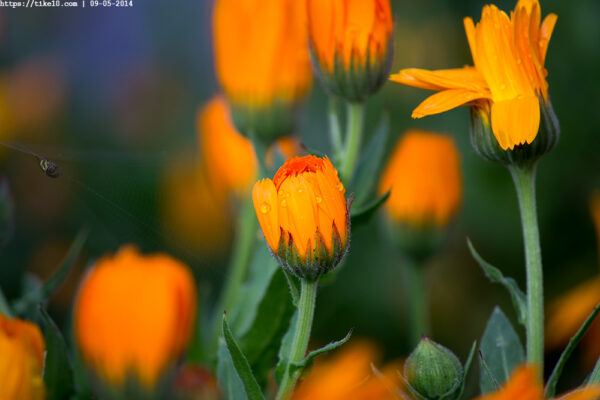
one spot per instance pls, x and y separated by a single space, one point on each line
587 393
444 101
546 33
455 78
266 205
522 385
515 121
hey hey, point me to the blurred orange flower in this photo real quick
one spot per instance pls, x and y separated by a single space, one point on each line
424 176
303 215
22 349
348 375
508 79
261 50
524 385
350 40
134 315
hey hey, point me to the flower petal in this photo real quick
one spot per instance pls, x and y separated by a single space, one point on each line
447 100
515 121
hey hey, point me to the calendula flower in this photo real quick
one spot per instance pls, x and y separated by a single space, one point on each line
507 86
524 385
351 44
424 176
349 375
134 316
22 349
262 62
304 215
228 157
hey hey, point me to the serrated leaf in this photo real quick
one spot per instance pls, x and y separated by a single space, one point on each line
501 350
367 171
41 293
519 299
229 381
241 365
285 348
313 354
363 215
58 370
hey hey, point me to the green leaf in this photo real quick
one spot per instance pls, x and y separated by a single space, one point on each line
311 356
367 171
500 349
285 348
553 380
363 215
495 275
7 213
229 381
240 363
41 293
4 307
58 370
466 369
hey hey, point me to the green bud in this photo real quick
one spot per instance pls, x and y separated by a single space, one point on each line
265 123
433 371
485 144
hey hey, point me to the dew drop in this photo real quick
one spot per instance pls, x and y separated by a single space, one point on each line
502 86
265 207
284 203
340 187
300 190
319 200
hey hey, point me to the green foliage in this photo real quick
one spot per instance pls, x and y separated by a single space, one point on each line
285 348
466 369
229 381
363 215
58 370
553 380
307 362
6 212
495 275
39 294
501 350
241 365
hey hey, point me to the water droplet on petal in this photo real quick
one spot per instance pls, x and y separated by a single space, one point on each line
502 86
265 207
318 199
300 190
340 187
284 203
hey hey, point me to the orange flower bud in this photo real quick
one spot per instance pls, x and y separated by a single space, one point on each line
424 175
351 43
22 350
304 216
228 157
134 316
262 62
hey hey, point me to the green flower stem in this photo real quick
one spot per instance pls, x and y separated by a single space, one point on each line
334 129
524 178
416 301
595 376
355 115
306 311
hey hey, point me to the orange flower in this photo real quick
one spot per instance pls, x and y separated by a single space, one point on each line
134 316
524 385
348 375
261 56
508 79
304 216
22 350
424 176
228 156
351 44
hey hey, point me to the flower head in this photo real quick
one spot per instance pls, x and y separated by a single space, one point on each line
262 61
523 384
134 316
22 350
351 44
508 81
424 176
348 375
304 215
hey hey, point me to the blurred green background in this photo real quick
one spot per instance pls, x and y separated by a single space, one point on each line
111 95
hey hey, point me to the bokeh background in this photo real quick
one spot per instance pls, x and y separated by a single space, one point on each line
111 95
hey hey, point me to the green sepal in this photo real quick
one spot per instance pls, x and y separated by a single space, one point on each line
27 304
519 299
363 215
501 349
266 123
241 365
557 371
301 365
466 369
368 168
58 370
